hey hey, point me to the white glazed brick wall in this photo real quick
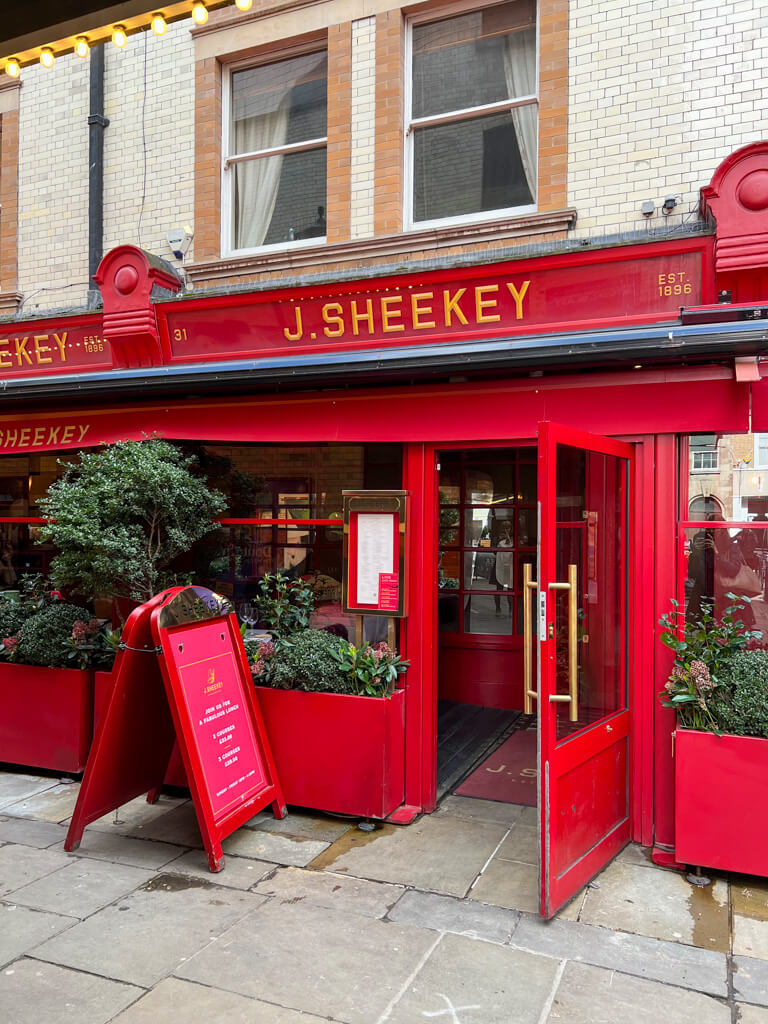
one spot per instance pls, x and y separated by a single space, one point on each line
53 162
660 94
53 185
168 131
363 129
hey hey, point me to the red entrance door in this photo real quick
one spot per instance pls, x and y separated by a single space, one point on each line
581 620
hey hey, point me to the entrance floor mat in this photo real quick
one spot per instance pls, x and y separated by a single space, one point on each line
509 774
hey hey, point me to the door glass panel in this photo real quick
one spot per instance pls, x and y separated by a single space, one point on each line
489 613
486 531
490 485
592 535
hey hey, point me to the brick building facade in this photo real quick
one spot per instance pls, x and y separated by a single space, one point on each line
632 106
511 258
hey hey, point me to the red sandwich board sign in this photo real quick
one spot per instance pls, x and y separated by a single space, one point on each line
182 674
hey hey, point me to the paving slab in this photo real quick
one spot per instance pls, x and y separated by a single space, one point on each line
178 825
337 892
310 958
671 962
449 914
522 844
473 809
750 980
640 855
592 995
143 937
53 804
15 787
438 853
137 853
477 983
510 884
747 1014
302 825
27 832
660 904
134 816
21 929
81 888
38 993
238 873
749 898
275 848
189 1003
20 865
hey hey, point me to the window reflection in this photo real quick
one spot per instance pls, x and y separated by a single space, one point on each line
487 530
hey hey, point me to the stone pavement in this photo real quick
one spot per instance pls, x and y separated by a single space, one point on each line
312 920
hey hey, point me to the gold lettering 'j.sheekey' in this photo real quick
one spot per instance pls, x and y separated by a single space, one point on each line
16 435
24 350
452 306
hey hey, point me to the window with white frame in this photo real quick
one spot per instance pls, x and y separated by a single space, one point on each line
473 125
761 451
704 460
275 152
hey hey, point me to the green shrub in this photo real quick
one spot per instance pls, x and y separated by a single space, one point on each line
743 710
285 604
13 614
307 662
43 637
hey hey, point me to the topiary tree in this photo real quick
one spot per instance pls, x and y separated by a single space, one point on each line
122 514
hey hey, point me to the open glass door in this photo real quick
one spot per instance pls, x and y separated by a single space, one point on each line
581 621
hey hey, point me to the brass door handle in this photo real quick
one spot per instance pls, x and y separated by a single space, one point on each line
572 697
529 585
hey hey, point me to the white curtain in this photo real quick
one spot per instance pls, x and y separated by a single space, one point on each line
257 181
520 72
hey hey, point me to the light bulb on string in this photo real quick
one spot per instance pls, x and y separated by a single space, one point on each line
47 58
199 13
82 46
159 24
119 36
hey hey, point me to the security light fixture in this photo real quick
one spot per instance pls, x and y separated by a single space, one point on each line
670 202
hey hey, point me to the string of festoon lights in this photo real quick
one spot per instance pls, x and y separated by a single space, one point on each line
158 23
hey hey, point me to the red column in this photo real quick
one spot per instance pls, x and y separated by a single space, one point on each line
665 588
419 640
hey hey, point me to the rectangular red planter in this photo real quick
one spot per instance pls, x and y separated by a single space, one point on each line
721 791
47 716
336 752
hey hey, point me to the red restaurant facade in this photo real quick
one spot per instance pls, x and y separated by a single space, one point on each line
561 411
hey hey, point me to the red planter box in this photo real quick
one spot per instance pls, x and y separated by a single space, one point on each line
337 753
721 792
46 719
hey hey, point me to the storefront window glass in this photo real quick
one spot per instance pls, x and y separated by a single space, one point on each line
724 526
281 491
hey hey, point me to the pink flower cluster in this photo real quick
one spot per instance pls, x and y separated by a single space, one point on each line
82 630
264 652
10 642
